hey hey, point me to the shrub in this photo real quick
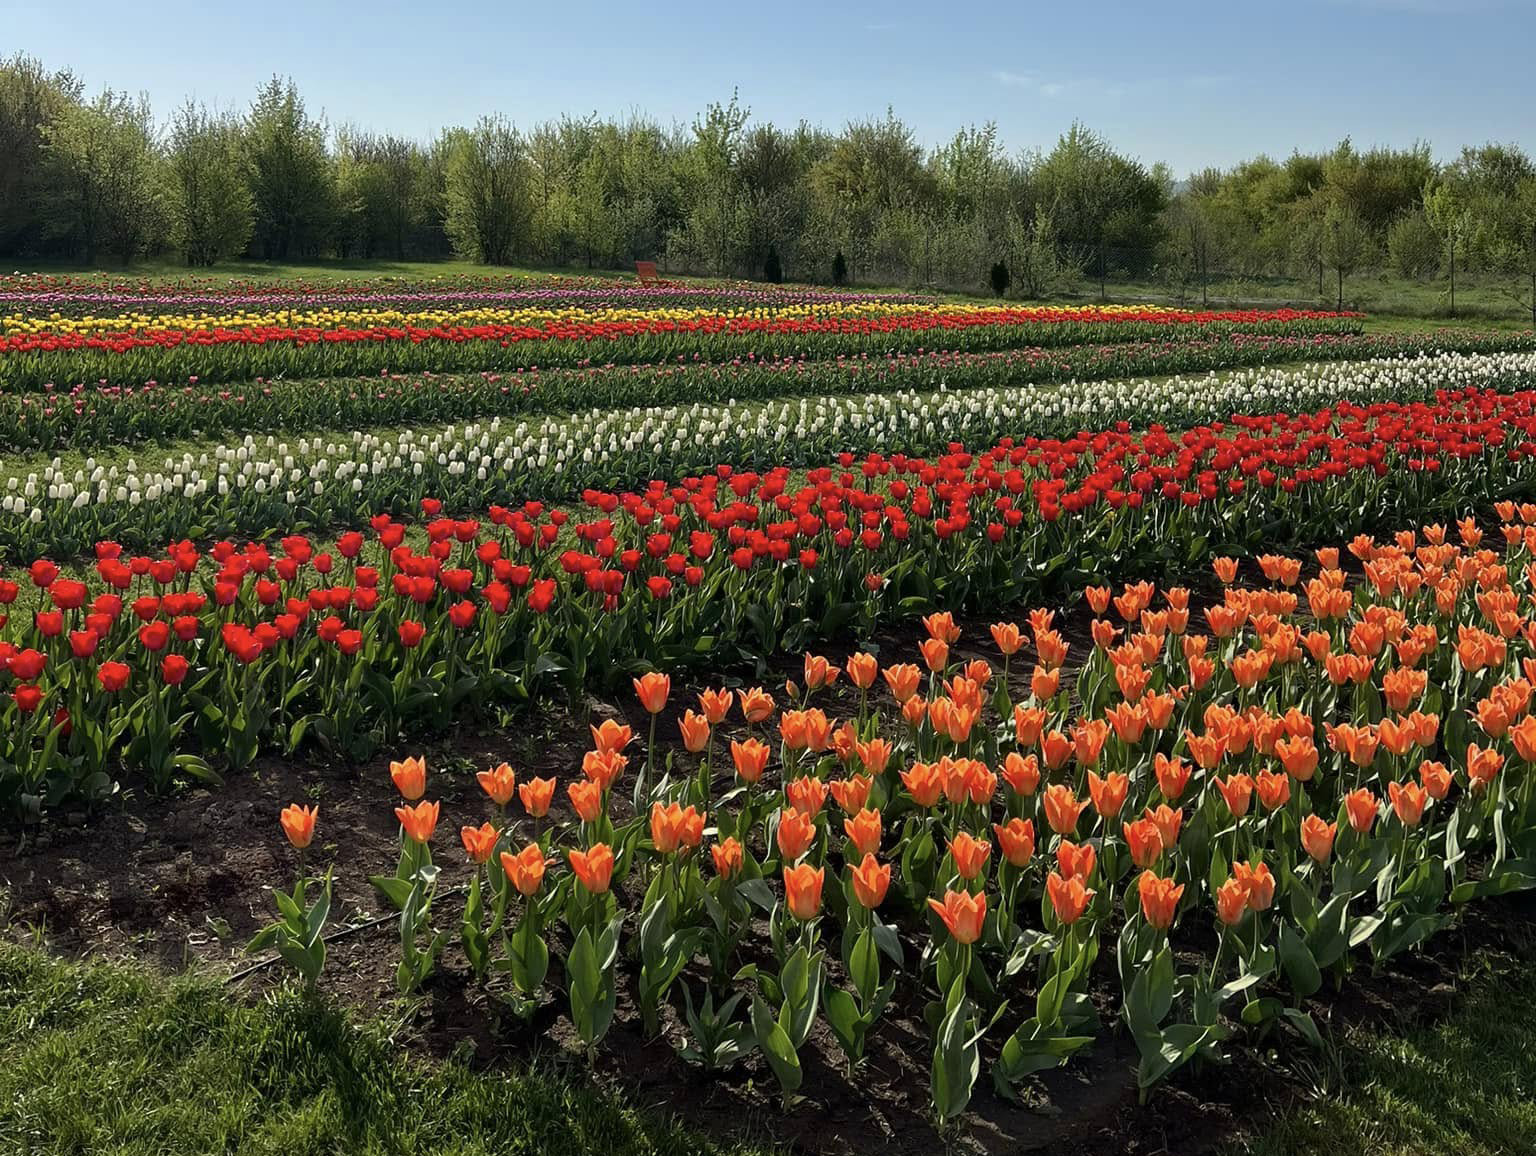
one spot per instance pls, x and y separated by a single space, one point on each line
1000 278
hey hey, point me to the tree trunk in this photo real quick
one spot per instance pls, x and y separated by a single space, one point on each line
1453 277
1341 289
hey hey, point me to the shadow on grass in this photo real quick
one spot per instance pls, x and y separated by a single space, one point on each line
101 1057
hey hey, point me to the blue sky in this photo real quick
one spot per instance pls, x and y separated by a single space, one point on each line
1188 83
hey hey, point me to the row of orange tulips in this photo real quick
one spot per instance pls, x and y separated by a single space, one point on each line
1307 774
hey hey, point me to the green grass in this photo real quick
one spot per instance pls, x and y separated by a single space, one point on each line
105 1058
1465 1086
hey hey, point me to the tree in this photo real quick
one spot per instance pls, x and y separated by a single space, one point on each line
1414 246
1036 257
103 177
31 98
210 204
1346 244
487 191
1452 222
289 171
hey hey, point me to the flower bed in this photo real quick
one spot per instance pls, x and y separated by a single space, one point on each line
87 417
267 486
161 663
1239 804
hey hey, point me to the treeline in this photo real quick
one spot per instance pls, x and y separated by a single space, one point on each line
99 179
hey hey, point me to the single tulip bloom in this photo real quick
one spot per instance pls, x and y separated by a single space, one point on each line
1007 637
695 730
1237 790
410 778
728 856
593 868
1021 773
1436 778
756 704
419 821
963 914
864 831
1360 805
1069 897
479 842
1259 882
536 795
1016 840
802 890
969 854
715 704
586 798
652 690
1076 860
498 783
674 827
871 881
1408 802
1317 837
750 758
611 736
1231 901
1144 840
1172 776
1108 794
903 679
298 824
1159 899
796 833
1168 821
525 870
863 669
1062 808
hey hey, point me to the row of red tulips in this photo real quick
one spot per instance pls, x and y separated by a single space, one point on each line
1239 803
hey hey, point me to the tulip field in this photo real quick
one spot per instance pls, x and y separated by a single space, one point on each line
1022 689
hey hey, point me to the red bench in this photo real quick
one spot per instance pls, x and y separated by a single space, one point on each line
646 271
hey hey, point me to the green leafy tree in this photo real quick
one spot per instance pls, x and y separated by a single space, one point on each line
292 184
487 191
1346 244
31 99
211 210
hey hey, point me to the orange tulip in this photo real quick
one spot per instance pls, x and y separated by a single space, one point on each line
1274 790
611 736
715 704
1055 748
1144 840
1226 570
1317 837
1027 724
1076 860
941 625
1237 790
915 711
1482 766
1408 802
963 914
1062 808
419 821
525 870
695 730
498 783
593 868
935 653
924 782
807 795
1007 637
797 831
870 882
756 704
1260 883
874 756
1231 901
1021 773
802 890
903 679
298 824
750 758
1016 839
652 690
1172 776
1159 899
1108 794
1098 598
1069 897
586 799
410 776
1298 756
818 672
1523 735
1168 820
970 854
728 856
1436 779
852 794
479 842
863 830
603 767
674 827
1360 805
863 669
536 795
1044 684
